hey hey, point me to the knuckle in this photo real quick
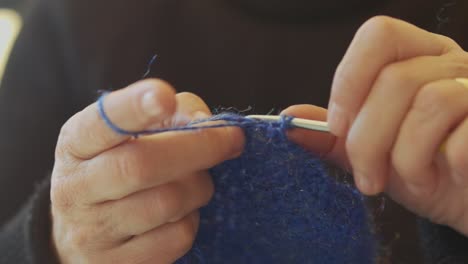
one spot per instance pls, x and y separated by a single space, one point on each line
65 139
130 170
460 69
462 56
88 234
458 62
451 43
66 143
345 87
343 81
81 238
353 146
457 156
354 151
431 99
78 240
397 75
168 201
60 196
379 28
402 165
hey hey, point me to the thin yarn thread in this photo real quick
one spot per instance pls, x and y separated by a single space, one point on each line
229 120
150 64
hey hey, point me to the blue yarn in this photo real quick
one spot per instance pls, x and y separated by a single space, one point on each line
276 204
150 64
229 120
109 123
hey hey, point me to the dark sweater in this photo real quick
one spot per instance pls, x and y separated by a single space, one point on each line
230 52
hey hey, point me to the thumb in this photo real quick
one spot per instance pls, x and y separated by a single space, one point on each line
135 108
323 144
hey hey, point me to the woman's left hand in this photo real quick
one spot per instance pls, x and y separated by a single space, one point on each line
400 119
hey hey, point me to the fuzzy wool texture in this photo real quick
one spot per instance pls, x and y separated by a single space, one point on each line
276 204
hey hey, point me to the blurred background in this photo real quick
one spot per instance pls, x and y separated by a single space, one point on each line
398 232
10 25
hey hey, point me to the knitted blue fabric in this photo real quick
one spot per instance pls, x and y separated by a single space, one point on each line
276 204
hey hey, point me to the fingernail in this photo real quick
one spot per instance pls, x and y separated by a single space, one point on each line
148 102
337 121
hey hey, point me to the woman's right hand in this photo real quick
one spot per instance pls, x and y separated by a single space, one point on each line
121 200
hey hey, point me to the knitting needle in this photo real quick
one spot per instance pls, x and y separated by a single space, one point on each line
296 122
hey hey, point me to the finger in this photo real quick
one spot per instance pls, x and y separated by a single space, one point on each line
456 146
134 108
157 206
437 109
376 127
323 144
155 160
135 166
380 41
160 158
191 103
165 244
190 107
317 142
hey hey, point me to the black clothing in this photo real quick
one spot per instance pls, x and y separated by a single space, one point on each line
229 52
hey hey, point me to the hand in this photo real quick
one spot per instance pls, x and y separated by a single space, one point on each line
394 102
121 200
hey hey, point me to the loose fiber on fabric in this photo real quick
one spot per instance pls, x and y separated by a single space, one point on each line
276 204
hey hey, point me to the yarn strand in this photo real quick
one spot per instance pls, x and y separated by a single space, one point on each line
229 120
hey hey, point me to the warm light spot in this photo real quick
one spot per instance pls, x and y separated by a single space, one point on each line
10 25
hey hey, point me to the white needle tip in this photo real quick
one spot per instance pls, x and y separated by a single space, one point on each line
296 122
